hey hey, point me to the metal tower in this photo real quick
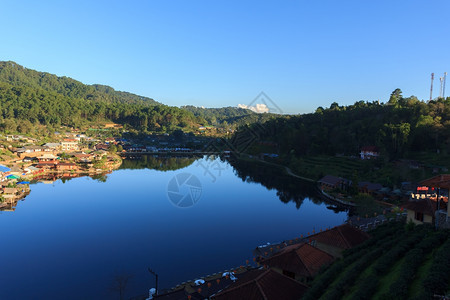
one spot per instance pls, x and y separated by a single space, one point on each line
443 88
431 88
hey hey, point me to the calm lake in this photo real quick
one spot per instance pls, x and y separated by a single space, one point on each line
70 239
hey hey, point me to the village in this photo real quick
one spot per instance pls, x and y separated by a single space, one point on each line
72 153
24 160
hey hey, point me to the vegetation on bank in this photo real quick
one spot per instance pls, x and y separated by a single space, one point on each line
385 266
387 173
412 138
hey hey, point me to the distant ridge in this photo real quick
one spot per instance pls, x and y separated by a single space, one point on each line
17 75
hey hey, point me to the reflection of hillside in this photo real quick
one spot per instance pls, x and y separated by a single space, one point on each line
289 189
157 163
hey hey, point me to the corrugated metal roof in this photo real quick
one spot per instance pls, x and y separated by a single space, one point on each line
4 169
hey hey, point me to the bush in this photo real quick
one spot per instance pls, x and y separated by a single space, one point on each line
436 281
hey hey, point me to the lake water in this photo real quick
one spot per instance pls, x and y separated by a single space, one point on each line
73 239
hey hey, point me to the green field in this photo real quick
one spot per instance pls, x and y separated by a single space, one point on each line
399 262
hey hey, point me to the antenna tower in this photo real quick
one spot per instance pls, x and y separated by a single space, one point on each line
431 88
443 88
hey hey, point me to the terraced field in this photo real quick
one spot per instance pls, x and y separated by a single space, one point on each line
388 174
398 262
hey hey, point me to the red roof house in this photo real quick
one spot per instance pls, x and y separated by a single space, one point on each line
369 152
299 261
337 239
263 284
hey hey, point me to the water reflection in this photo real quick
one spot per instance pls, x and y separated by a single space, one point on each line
159 163
289 189
80 239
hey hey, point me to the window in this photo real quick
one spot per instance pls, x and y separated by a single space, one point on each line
419 216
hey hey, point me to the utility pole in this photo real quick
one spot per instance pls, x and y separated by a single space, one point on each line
441 79
431 88
156 277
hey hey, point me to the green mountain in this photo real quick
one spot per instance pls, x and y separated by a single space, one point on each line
228 116
17 75
29 98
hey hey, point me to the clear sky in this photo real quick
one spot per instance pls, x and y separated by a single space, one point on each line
302 54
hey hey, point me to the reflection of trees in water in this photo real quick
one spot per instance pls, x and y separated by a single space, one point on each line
169 163
100 177
289 189
50 178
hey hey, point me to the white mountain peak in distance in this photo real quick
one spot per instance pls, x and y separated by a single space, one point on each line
258 108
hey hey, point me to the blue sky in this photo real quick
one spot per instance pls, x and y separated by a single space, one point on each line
302 54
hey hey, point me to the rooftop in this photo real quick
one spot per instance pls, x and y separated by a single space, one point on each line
344 236
263 284
302 259
440 181
333 180
426 206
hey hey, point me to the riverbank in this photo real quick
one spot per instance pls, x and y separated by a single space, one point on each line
289 172
366 189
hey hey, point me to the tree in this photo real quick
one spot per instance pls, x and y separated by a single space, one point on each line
112 148
395 97
334 106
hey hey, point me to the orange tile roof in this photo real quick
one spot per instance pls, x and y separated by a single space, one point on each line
263 284
440 181
302 259
344 236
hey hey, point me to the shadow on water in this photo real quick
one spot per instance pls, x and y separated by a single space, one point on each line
289 189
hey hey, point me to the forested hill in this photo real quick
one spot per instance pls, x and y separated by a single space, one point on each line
228 115
214 115
29 98
402 125
17 75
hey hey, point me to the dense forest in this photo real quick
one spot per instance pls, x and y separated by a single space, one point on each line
228 116
401 125
29 98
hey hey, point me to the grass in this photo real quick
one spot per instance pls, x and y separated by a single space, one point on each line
416 285
386 281
364 274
